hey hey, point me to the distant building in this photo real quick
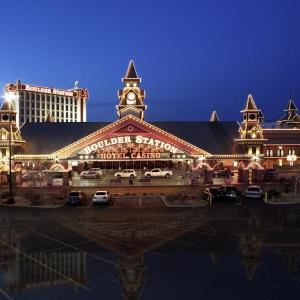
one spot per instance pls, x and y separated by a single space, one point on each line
39 104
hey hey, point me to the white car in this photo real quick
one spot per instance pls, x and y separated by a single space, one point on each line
101 197
254 192
158 173
128 173
92 170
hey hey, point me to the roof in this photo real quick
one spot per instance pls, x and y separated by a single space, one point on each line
213 137
291 106
250 104
214 117
282 136
131 71
8 105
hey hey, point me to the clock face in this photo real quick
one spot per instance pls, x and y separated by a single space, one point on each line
131 98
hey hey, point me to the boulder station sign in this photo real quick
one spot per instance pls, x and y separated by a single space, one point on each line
130 139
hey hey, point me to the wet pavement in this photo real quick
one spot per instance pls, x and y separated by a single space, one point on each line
224 252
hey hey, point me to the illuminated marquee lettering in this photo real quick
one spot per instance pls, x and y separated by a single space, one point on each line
39 89
128 139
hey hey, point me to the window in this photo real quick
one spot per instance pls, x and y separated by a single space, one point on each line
280 162
269 152
291 152
280 152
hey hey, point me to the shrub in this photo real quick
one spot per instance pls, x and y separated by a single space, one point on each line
274 194
5 195
35 199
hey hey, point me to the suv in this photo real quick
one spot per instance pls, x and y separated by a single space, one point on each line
76 198
254 192
128 173
101 197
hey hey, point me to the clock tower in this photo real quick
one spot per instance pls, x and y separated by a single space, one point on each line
131 96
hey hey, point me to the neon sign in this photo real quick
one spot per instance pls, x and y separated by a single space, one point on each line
39 89
130 139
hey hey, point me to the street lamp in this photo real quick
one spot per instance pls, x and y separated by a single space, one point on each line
292 158
10 97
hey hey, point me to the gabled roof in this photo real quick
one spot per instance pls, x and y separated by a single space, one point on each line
291 106
213 137
214 117
250 104
131 71
8 105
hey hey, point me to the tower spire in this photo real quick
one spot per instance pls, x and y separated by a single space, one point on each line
131 71
131 96
214 117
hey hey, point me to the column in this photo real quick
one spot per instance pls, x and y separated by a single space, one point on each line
65 109
79 110
25 105
73 110
30 106
83 110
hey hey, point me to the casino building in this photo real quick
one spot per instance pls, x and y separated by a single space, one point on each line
249 147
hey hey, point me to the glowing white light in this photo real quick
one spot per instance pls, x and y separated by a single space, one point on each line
253 135
9 96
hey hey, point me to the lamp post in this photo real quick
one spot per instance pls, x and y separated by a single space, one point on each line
9 97
292 158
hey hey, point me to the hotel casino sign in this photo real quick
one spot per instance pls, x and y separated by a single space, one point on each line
129 147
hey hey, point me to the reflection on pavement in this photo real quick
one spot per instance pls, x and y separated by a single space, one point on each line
147 254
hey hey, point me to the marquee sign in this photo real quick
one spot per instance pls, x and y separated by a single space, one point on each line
130 139
39 89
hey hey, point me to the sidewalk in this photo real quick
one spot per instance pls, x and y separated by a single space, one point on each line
285 199
23 202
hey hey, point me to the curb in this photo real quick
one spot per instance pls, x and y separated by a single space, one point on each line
31 206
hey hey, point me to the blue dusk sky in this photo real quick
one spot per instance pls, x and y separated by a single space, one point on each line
193 56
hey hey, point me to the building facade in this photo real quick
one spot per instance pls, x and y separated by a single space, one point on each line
40 104
248 147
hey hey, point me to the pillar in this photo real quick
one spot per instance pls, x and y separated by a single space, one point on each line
208 176
243 176
19 179
49 179
66 179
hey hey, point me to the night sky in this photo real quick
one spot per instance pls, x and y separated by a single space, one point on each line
193 56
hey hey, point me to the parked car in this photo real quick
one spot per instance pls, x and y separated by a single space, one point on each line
101 197
90 175
30 176
214 193
223 173
254 192
76 198
97 170
158 173
127 173
230 192
271 175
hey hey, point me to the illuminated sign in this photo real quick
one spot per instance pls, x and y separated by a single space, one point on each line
39 89
129 139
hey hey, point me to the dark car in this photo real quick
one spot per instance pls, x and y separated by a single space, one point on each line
223 173
76 199
230 192
271 175
213 194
